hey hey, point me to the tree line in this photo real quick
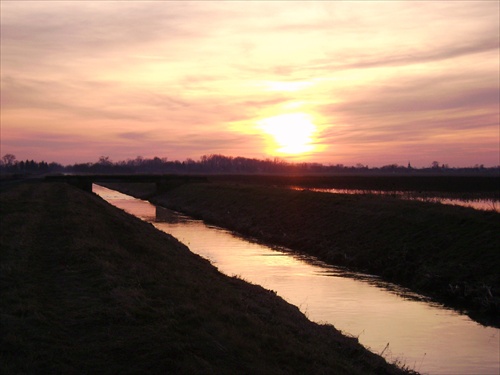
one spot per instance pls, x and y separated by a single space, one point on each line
216 163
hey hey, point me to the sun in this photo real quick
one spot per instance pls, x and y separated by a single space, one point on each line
292 133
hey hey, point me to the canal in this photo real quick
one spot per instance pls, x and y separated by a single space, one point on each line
391 321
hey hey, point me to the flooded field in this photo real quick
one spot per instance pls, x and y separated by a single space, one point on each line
473 202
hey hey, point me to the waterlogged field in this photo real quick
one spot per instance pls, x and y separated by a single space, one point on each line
478 185
477 201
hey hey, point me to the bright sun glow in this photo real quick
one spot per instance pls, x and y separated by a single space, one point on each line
292 132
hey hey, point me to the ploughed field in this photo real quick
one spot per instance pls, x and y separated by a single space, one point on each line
87 288
448 252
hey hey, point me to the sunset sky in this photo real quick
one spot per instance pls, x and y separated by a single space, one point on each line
334 82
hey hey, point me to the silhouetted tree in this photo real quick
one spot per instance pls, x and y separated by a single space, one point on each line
8 160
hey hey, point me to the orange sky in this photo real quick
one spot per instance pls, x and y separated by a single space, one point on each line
331 81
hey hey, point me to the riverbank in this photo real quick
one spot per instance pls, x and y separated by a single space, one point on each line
87 288
447 252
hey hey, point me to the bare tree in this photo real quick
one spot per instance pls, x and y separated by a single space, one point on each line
8 160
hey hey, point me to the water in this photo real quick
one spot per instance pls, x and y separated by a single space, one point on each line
476 203
385 318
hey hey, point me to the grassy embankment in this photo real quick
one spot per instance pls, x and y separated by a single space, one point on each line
447 252
86 288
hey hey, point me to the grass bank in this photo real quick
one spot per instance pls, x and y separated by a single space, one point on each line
86 288
448 252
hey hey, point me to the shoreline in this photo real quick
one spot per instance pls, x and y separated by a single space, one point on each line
444 252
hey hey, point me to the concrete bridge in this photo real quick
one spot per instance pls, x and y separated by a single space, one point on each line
163 182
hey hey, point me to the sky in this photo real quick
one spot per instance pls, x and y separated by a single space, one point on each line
332 82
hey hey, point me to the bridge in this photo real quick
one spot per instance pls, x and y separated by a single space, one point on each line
163 182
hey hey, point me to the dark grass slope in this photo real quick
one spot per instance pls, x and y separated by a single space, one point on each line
448 252
86 288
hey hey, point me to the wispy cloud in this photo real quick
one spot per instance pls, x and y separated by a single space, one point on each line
191 78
